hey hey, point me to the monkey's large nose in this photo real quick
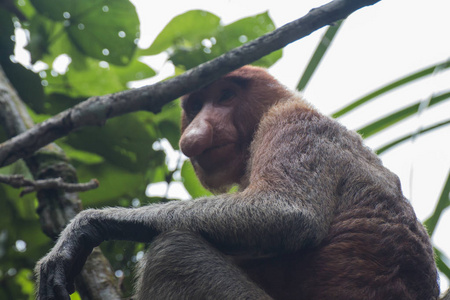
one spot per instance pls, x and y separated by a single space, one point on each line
196 138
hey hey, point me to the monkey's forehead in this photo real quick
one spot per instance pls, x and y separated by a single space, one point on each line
241 77
217 86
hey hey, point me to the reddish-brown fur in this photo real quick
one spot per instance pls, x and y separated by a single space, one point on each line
374 247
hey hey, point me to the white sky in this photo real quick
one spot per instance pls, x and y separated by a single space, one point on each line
376 45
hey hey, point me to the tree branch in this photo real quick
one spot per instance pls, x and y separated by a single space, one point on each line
18 181
96 110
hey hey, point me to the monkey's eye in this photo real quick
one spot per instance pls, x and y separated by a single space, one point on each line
226 95
195 107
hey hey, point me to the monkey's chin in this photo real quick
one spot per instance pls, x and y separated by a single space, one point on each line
217 157
219 175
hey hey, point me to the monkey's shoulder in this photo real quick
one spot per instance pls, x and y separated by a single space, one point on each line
294 119
290 110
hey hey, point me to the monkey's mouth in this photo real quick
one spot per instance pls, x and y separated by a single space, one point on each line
216 155
215 148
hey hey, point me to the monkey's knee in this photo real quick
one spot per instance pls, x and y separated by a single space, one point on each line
182 265
166 270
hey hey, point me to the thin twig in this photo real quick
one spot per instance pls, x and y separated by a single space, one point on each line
18 181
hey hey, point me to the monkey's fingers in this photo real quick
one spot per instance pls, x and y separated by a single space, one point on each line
53 284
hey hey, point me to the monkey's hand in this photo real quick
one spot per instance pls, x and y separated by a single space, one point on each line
56 272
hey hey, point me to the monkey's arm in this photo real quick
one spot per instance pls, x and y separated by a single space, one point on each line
250 226
288 207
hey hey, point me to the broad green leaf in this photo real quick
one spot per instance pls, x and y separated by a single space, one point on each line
55 12
193 25
189 44
391 119
96 78
81 156
191 182
134 71
25 279
103 30
115 182
321 49
60 43
397 83
409 136
168 122
171 131
247 29
123 141
225 39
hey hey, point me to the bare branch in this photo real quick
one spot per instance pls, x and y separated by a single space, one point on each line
96 110
18 181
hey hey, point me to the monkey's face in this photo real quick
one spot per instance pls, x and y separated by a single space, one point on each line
210 136
219 121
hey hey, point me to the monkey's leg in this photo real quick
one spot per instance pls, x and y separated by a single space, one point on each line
182 265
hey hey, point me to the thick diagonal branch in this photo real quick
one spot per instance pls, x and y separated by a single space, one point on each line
96 110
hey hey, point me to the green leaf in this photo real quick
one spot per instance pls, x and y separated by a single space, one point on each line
443 203
321 49
247 29
124 141
194 25
168 122
93 80
52 10
443 264
171 131
81 156
409 136
115 182
391 119
96 78
398 83
100 29
134 71
25 279
191 182
190 44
